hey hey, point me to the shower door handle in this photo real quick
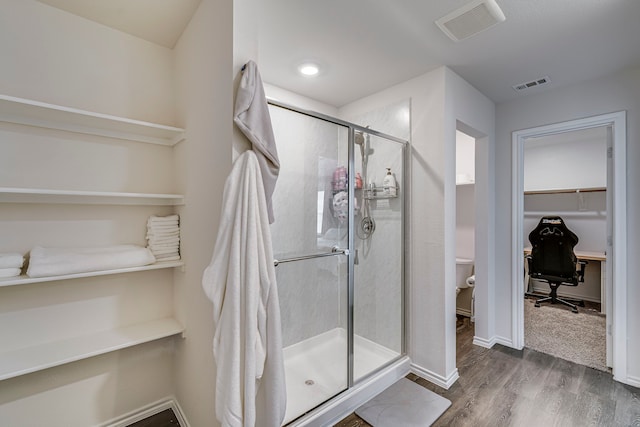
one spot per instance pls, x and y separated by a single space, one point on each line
334 251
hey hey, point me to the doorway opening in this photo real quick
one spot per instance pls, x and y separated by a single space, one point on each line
615 289
465 230
565 177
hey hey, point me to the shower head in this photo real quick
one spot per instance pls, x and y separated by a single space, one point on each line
363 141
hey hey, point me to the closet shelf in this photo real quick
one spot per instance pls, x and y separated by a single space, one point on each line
39 195
49 116
25 280
23 361
567 190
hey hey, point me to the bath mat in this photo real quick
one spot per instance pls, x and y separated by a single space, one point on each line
404 404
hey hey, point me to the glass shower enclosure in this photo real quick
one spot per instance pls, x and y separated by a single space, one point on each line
338 241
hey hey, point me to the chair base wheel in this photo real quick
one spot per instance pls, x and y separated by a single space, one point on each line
537 305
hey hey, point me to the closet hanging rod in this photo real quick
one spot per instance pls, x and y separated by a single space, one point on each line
334 251
567 190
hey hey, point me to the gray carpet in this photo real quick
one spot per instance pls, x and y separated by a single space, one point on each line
404 404
554 330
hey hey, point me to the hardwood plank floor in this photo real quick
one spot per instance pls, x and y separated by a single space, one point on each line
165 418
507 387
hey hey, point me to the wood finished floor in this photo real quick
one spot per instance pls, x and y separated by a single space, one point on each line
506 387
165 418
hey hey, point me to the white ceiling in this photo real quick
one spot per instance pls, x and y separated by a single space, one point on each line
365 46
157 21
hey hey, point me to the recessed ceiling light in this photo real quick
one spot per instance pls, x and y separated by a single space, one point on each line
309 69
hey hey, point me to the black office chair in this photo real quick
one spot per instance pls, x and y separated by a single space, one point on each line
552 259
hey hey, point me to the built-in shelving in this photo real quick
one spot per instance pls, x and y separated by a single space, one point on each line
49 116
39 195
25 280
23 361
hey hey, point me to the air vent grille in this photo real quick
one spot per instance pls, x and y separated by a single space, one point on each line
471 19
533 83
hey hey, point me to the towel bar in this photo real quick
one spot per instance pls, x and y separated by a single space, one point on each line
334 251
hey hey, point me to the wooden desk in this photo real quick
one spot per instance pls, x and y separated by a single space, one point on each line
587 256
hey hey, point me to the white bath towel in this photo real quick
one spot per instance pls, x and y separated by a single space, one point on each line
10 272
163 240
59 261
164 219
163 233
241 283
162 258
251 115
11 260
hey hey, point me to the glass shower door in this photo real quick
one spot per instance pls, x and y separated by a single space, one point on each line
310 235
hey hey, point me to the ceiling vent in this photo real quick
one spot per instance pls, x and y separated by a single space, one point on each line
471 19
533 83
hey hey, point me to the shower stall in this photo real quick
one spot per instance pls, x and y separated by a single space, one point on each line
339 246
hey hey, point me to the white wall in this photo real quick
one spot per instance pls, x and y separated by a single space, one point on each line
616 92
572 160
205 99
465 158
52 56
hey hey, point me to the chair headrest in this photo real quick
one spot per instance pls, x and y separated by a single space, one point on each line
552 227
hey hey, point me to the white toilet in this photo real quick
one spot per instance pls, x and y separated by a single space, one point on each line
464 270
465 279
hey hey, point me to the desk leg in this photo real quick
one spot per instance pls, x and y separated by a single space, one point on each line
603 287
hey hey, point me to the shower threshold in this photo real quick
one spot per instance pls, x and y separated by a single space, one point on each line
316 368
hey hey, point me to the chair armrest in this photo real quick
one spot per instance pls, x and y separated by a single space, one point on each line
582 263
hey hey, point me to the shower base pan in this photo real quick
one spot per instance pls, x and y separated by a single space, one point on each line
316 368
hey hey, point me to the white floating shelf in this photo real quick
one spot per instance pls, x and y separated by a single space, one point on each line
25 280
39 195
23 361
41 114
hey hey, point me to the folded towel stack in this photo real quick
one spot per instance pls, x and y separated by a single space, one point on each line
163 235
11 264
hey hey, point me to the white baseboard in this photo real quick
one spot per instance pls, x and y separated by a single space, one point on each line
147 411
489 343
633 381
483 342
439 380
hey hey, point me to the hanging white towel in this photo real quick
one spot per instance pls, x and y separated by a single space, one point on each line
251 115
241 283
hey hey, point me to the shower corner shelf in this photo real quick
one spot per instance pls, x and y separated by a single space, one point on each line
41 114
378 194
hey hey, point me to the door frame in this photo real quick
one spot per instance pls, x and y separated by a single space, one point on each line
616 241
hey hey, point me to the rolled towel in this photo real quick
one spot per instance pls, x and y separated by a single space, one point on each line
471 281
10 272
60 261
11 260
